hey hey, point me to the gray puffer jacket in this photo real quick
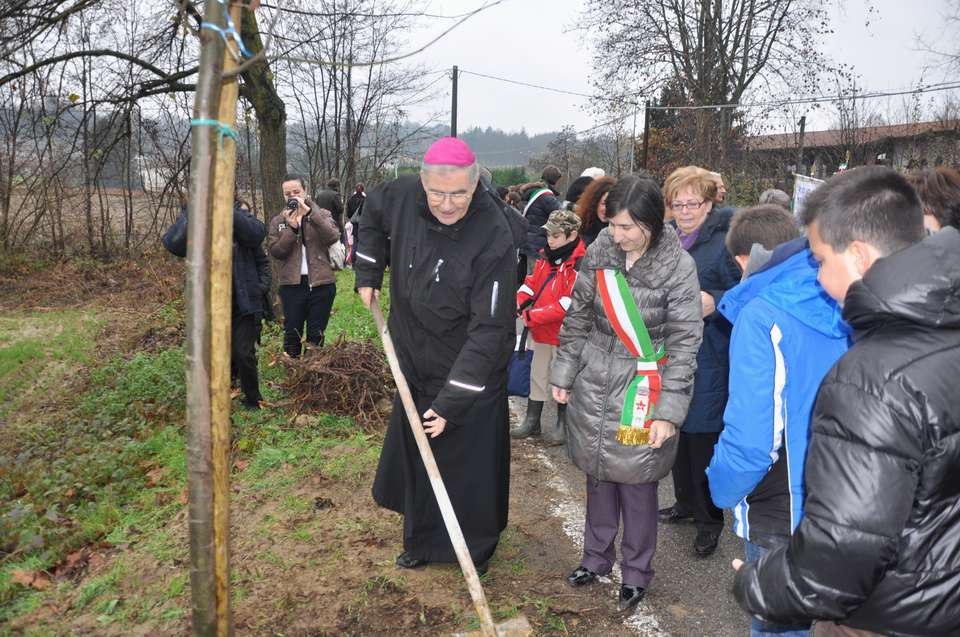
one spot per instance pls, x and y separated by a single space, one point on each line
596 368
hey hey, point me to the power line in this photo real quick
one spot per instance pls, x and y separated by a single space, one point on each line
544 88
320 62
944 86
358 14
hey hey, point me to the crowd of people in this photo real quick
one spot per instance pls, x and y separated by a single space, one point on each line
794 369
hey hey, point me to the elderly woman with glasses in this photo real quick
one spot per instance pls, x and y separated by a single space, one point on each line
689 194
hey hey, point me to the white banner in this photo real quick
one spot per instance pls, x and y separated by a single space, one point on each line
802 186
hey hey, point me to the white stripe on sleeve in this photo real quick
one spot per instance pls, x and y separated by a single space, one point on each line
457 383
366 258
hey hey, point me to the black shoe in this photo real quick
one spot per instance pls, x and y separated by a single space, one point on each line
405 561
251 406
531 424
706 543
673 515
581 577
482 568
630 596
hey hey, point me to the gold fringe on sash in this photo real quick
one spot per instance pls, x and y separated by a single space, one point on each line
633 436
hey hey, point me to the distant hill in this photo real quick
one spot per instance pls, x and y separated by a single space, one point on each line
495 147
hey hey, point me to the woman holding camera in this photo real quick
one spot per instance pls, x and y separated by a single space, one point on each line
625 366
299 240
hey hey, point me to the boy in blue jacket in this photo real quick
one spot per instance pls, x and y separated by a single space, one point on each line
787 333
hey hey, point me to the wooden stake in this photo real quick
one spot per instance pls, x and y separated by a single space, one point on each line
221 294
199 478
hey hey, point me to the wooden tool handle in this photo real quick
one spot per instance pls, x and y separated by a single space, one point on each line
487 627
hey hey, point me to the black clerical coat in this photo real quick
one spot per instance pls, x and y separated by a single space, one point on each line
452 320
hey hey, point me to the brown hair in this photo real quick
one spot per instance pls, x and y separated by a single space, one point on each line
590 200
768 224
699 180
937 189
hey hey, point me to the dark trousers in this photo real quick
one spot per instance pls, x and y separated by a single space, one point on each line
243 355
637 504
303 305
690 487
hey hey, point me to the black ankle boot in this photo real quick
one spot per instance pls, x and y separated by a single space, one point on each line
558 435
531 424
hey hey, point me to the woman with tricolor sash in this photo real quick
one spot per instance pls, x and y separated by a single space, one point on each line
625 368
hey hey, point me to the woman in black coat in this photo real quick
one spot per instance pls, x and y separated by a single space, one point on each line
689 194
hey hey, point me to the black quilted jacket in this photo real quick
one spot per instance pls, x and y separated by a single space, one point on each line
879 546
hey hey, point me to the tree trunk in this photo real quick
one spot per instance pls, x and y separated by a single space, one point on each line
259 89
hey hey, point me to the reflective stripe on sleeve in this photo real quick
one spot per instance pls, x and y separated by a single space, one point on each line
565 303
366 258
525 289
457 383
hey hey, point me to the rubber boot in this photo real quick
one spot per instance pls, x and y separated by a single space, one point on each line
531 424
558 435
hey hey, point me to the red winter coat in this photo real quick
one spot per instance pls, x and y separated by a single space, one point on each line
546 315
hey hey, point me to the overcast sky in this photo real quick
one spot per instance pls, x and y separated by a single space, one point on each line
531 41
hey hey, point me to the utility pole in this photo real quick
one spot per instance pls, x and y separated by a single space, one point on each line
646 132
453 107
803 128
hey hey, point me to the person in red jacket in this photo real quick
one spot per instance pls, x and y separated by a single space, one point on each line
542 302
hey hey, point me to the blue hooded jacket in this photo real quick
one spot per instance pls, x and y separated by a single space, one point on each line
787 334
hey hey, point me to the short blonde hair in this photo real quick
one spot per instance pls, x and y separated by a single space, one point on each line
697 179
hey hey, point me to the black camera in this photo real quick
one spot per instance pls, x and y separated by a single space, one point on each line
293 204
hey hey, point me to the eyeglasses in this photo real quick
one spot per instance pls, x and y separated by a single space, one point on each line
435 196
689 205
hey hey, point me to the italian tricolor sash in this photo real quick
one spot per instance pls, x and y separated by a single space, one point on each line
644 390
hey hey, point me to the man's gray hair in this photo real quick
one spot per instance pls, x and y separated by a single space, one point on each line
473 170
775 196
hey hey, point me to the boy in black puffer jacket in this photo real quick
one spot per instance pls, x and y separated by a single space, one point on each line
876 552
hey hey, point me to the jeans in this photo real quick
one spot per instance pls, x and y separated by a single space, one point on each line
761 628
301 304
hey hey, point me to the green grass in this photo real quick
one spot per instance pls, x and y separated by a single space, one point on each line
350 317
110 464
35 350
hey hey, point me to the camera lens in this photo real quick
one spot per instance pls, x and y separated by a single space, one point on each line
293 204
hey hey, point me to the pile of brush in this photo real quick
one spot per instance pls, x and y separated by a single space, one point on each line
344 378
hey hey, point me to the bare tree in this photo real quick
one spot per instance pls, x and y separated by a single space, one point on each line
715 52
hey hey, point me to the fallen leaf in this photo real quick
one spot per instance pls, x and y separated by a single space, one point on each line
24 578
155 476
184 496
73 558
70 492
33 579
240 464
41 582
